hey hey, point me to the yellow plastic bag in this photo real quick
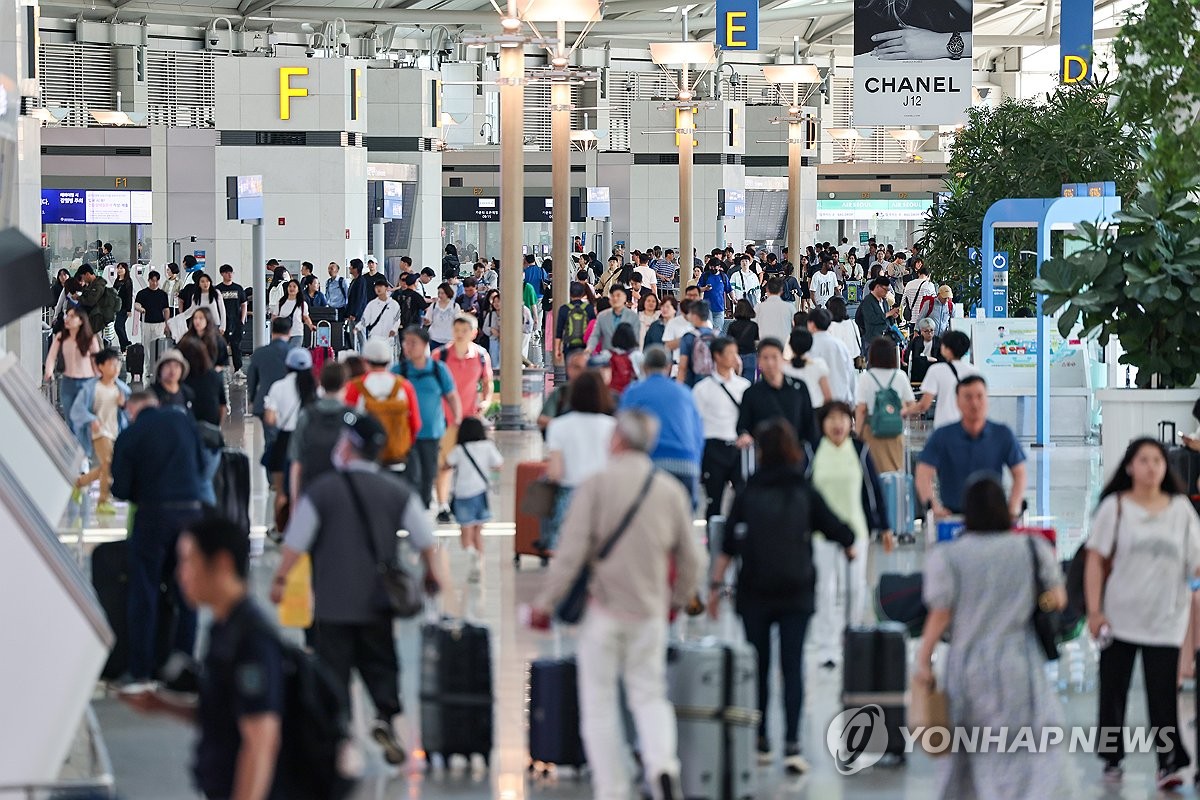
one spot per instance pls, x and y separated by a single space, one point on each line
296 608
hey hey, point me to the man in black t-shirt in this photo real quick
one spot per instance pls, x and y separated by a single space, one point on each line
242 699
235 314
154 306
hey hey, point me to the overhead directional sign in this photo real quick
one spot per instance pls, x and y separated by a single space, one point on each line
737 24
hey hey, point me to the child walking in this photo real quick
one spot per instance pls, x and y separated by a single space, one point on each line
471 459
98 416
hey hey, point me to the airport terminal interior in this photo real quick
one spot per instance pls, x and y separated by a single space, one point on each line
966 210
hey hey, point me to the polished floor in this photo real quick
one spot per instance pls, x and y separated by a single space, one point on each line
151 756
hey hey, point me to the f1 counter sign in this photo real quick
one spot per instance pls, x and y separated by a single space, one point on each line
737 22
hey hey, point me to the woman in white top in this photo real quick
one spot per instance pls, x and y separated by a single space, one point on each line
439 317
275 291
577 444
293 306
844 329
812 370
472 459
1143 551
207 296
172 285
287 397
883 372
647 315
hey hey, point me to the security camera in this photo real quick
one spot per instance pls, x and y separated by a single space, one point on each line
192 239
309 52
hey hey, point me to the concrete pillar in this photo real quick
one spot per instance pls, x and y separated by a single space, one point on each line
512 218
560 142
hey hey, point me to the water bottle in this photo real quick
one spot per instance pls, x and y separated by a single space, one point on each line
1104 638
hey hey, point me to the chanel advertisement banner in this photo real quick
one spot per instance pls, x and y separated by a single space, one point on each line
912 62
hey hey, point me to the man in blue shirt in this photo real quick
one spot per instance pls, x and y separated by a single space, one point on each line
535 276
956 453
157 465
680 445
714 286
433 384
336 289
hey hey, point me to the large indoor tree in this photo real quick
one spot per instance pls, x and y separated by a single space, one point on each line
1143 283
1023 148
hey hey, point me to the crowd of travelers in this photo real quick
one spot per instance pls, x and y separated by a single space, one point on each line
767 397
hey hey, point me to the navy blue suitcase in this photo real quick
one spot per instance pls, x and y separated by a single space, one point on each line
554 739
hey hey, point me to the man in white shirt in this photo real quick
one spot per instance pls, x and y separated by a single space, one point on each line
943 378
824 284
746 285
843 249
916 291
826 346
719 399
646 272
426 285
773 315
381 318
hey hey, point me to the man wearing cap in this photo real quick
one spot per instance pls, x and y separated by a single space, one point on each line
347 521
381 385
168 386
157 466
267 364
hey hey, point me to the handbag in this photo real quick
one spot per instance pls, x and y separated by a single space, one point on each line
570 608
540 497
1046 618
398 591
929 708
210 435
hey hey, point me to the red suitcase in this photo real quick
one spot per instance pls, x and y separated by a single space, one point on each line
528 528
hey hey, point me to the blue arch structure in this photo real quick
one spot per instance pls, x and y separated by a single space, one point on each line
1047 215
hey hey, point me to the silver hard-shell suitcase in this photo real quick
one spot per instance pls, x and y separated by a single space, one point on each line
714 687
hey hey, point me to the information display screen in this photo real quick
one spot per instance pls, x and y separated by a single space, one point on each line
731 202
96 207
393 200
598 204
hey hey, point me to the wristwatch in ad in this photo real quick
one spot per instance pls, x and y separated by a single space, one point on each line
955 46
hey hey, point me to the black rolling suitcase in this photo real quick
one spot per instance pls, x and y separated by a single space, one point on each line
110 577
554 739
875 673
456 689
135 362
231 485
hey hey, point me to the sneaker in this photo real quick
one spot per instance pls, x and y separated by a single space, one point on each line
1167 780
105 509
793 762
1113 773
765 758
384 734
77 495
443 517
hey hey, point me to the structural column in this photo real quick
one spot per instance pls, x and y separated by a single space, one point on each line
795 145
685 132
512 213
560 142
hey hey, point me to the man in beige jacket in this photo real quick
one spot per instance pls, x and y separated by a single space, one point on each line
623 636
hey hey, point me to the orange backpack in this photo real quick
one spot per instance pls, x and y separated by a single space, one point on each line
392 413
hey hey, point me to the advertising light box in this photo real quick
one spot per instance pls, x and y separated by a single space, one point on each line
393 200
598 203
244 197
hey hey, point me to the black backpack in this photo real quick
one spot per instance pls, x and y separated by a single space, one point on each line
314 730
321 434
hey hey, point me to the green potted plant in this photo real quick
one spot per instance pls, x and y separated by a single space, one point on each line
1142 285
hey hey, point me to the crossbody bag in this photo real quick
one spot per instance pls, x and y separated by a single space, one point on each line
570 609
487 484
398 593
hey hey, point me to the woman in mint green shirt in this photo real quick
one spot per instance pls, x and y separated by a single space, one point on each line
843 471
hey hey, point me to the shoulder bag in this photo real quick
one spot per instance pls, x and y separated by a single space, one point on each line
570 609
1046 618
398 592
487 483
